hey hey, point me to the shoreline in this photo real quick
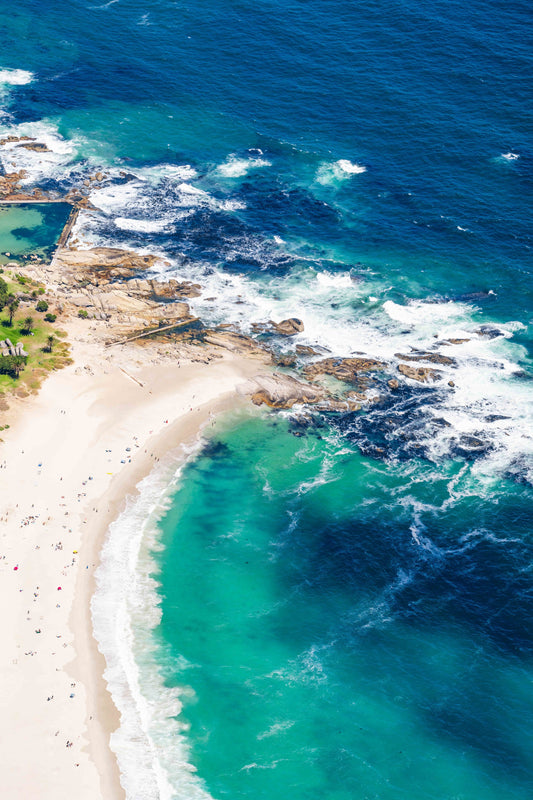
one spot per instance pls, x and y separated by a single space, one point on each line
68 443
181 434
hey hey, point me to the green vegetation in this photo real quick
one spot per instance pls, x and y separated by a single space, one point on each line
46 346
42 305
12 306
12 365
28 325
83 313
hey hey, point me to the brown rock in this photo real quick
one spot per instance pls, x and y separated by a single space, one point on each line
457 341
339 406
421 374
356 396
285 360
305 350
234 342
283 391
105 258
344 369
173 289
288 327
420 355
393 383
39 147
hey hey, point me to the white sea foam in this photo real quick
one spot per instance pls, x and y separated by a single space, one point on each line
173 172
510 156
150 745
235 167
340 313
58 162
118 197
193 197
346 318
143 225
15 77
104 6
333 172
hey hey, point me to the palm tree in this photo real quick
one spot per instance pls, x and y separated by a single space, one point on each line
12 307
51 342
28 324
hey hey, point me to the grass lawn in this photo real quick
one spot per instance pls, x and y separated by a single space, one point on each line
40 361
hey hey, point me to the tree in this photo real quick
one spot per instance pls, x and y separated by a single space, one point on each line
50 343
4 293
28 324
42 305
12 365
13 304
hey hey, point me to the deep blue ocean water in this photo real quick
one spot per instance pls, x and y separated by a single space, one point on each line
341 609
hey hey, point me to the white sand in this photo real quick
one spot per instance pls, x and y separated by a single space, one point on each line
59 489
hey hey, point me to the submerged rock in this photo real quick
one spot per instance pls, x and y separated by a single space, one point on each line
489 332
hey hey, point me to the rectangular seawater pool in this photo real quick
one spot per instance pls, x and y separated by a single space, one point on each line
30 228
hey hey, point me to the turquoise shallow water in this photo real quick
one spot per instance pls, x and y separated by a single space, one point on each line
341 606
335 625
28 229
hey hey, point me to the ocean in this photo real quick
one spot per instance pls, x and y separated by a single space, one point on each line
315 605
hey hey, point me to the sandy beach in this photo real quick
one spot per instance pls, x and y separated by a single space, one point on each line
70 458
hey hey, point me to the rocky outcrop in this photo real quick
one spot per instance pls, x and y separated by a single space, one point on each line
9 183
305 350
113 301
171 290
234 342
287 327
337 406
420 374
283 391
15 140
7 348
38 147
422 355
285 360
105 258
344 369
